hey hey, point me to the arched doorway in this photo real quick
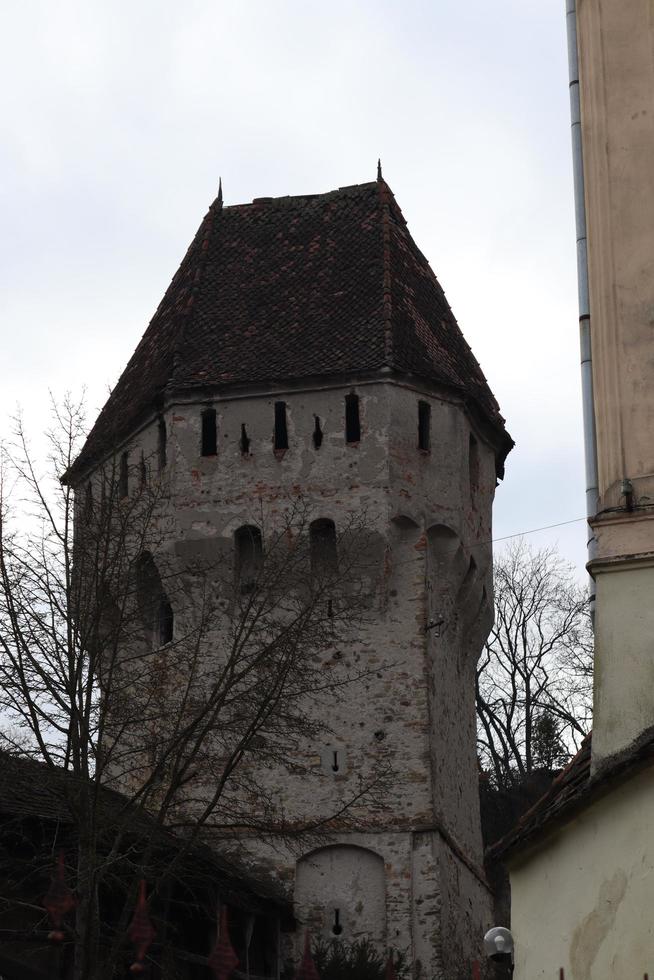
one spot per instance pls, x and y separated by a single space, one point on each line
340 892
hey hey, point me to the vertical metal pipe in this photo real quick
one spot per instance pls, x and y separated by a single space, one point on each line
590 441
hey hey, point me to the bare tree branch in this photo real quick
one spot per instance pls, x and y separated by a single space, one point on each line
534 679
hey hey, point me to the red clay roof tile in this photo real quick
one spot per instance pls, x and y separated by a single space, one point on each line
290 288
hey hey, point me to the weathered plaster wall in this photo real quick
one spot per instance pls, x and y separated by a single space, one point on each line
594 879
616 61
623 702
430 518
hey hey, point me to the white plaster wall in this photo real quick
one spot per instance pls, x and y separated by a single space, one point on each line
584 900
624 657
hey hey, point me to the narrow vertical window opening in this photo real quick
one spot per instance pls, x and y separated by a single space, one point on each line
352 420
317 433
166 621
209 445
88 503
281 430
245 440
473 463
143 470
424 426
337 928
123 476
161 443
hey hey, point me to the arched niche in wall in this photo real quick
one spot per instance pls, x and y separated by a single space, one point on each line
322 542
248 545
155 610
447 566
340 891
404 562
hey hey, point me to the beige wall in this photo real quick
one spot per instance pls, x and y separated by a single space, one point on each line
584 900
624 659
616 63
616 70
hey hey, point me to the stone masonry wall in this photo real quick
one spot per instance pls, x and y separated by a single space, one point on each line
430 517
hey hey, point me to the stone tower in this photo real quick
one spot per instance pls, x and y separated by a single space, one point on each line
292 314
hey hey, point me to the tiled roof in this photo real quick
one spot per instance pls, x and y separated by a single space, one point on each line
575 787
567 788
30 790
290 288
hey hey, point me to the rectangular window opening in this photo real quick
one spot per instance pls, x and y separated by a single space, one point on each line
352 420
88 503
473 464
317 433
209 433
245 440
123 478
161 444
424 426
281 431
166 621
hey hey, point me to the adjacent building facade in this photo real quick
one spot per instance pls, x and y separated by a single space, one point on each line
582 861
305 350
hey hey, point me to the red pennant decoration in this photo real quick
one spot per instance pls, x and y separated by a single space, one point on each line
390 969
222 959
307 968
141 932
58 901
476 970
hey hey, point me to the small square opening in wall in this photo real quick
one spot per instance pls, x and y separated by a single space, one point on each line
333 760
337 921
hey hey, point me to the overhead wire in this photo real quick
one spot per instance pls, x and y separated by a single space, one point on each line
534 530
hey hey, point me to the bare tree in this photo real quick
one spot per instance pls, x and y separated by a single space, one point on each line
534 678
187 686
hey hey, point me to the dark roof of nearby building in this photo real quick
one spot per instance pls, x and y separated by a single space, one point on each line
573 789
31 790
291 288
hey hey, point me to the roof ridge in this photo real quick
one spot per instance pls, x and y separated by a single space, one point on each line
384 191
289 200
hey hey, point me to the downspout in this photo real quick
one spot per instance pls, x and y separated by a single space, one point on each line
590 440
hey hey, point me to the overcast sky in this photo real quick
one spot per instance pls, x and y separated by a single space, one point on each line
117 119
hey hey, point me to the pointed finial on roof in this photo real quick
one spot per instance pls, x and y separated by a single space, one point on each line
379 172
220 192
